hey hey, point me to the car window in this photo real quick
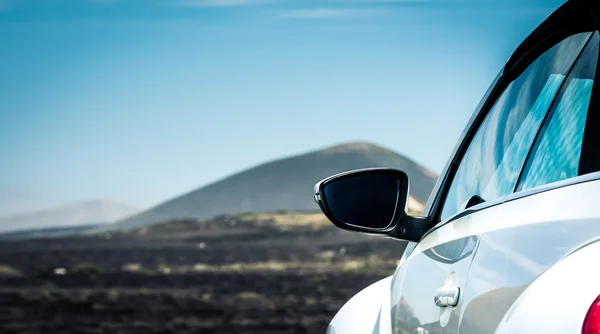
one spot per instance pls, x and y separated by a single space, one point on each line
494 159
557 151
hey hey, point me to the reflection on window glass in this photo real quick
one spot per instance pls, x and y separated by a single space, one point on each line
491 165
556 154
506 173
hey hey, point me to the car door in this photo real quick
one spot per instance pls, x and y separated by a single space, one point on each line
552 213
433 284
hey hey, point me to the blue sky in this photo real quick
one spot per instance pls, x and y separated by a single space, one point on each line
142 100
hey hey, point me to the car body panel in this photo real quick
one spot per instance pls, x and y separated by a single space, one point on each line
529 236
558 300
441 259
366 312
530 257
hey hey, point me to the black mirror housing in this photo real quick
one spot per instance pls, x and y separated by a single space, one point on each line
372 200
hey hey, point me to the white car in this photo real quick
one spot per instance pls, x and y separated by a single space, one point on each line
508 241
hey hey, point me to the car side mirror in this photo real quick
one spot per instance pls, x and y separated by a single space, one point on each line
372 201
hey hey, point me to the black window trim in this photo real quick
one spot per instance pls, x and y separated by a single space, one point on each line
512 70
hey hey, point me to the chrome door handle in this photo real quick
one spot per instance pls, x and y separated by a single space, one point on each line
447 296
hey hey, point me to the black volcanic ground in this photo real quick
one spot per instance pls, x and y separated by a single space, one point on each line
286 273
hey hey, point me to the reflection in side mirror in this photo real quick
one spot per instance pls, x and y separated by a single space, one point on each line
366 200
370 200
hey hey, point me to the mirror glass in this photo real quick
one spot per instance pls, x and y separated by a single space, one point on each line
365 200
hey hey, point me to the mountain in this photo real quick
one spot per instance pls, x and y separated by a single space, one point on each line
49 232
285 184
94 211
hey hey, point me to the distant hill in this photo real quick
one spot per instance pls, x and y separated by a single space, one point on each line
285 184
94 211
48 232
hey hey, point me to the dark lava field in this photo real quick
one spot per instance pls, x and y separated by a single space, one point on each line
269 273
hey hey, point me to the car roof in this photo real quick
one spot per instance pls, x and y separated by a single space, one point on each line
573 16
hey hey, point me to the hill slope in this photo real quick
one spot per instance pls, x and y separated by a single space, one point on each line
94 211
285 184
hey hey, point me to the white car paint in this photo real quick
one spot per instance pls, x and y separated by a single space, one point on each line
361 313
558 301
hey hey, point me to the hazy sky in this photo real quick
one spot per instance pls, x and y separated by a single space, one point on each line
142 100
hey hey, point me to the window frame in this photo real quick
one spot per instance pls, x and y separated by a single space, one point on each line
513 69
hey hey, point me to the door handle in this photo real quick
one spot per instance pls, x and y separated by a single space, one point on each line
447 296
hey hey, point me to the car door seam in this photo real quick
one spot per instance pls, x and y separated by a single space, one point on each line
468 275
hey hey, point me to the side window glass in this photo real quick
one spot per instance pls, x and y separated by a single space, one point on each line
494 159
557 151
